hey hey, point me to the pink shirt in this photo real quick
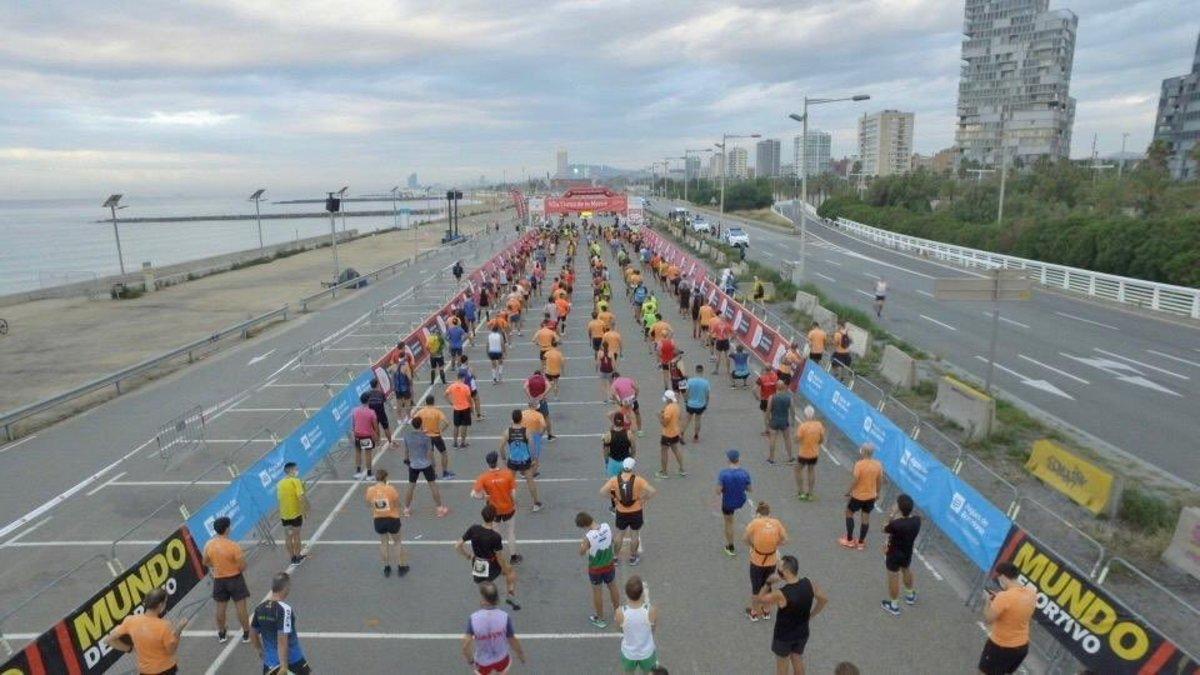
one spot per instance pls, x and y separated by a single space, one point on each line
364 421
624 388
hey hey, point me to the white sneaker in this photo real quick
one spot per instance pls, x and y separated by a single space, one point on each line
359 475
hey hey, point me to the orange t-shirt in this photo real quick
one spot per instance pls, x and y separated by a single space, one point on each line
837 342
225 557
816 341
154 641
500 321
660 330
706 315
564 307
766 533
545 337
384 500
608 318
596 328
810 434
554 361
720 329
459 394
431 420
613 339
639 492
533 421
1015 606
498 485
867 473
514 305
670 420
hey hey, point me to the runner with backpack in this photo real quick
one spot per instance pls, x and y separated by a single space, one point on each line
515 450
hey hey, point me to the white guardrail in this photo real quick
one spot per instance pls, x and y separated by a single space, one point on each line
1178 300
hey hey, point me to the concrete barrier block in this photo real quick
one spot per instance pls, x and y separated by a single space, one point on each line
899 368
966 406
1184 552
860 340
719 256
825 318
739 268
805 302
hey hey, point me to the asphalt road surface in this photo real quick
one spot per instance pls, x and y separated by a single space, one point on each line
352 619
1125 377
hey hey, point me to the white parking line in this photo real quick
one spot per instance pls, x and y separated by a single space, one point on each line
14 444
1006 320
1052 368
862 292
1173 358
73 543
1143 364
925 293
1080 318
329 481
943 325
873 276
14 541
833 262
105 484
826 277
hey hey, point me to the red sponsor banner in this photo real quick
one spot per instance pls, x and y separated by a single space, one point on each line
588 199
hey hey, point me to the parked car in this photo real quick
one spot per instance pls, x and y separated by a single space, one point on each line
700 225
736 236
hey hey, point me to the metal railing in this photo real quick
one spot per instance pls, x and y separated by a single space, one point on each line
1167 298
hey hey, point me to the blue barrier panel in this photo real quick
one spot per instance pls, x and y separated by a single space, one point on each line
252 495
966 517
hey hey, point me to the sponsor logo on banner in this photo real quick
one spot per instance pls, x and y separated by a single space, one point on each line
1083 482
758 331
1094 626
777 357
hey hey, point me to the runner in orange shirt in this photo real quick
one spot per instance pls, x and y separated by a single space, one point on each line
148 634
225 560
433 423
459 396
721 332
816 342
809 437
1008 613
555 366
544 338
499 487
764 535
672 434
864 489
384 500
595 330
707 314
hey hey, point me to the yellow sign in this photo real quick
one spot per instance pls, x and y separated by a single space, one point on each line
1085 483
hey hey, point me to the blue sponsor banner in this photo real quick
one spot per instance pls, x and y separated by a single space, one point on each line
253 494
967 518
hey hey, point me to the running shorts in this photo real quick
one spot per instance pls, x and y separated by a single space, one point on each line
605 577
997 660
292 522
722 345
518 467
807 461
381 414
696 411
495 356
630 521
785 648
230 588
428 472
498 667
366 443
669 441
438 443
462 418
387 525
898 560
864 505
758 577
841 359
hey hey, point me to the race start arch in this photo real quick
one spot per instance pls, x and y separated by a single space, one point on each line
596 199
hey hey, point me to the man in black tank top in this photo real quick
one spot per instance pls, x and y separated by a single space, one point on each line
798 601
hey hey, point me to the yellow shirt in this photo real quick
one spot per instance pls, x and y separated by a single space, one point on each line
291 492
554 361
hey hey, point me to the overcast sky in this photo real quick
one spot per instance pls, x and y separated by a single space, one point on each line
298 95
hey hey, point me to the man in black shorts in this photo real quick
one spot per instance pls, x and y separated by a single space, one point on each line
377 401
1007 613
484 547
384 502
798 601
902 529
418 455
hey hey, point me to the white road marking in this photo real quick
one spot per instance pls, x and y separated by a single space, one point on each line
868 258
936 575
14 444
833 262
833 458
1143 364
1049 367
1173 358
260 357
925 293
1080 318
105 484
873 276
862 292
943 325
1005 320
826 277
1119 370
14 540
1036 384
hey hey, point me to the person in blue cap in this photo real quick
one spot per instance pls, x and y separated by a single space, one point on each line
733 482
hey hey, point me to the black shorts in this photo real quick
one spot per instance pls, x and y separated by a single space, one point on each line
728 511
230 588
807 461
841 359
552 378
365 443
428 472
669 441
494 571
292 522
695 411
518 467
629 521
437 362
495 356
762 404
596 344
880 298
438 443
405 395
381 415
455 352
505 517
895 561
864 505
300 667
664 366
722 345
815 356
387 526
785 648
758 577
997 660
462 418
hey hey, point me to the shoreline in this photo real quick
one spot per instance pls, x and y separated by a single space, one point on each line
265 216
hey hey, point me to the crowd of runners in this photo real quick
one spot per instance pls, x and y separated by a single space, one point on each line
529 305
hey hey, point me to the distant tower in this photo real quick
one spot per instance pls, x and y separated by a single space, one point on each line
412 181
1176 124
563 166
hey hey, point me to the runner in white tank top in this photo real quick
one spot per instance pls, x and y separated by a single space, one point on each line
637 620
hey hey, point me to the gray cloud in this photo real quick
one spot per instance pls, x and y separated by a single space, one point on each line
212 95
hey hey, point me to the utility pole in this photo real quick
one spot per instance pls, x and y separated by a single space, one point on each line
1121 161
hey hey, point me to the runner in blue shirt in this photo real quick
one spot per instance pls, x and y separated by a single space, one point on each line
455 336
698 390
741 367
273 631
732 485
470 312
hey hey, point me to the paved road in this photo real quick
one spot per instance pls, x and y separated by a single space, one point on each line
352 618
1129 379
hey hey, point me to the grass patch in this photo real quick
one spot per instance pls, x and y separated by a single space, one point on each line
766 216
1146 511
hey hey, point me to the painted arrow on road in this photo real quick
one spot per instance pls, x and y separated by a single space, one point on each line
1123 372
260 357
1036 384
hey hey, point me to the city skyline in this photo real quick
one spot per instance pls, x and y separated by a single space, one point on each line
203 99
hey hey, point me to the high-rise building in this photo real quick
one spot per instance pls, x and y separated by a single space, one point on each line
815 157
885 142
1013 89
736 164
412 180
940 162
716 165
691 167
563 167
1178 121
766 158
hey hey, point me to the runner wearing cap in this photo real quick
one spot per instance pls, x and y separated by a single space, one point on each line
672 433
630 492
733 482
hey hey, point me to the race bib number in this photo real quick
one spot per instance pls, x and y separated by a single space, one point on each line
366 443
382 504
480 568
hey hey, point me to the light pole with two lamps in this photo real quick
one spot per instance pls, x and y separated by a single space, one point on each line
256 198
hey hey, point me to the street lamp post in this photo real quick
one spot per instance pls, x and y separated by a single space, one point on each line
112 205
1121 162
725 160
802 167
333 205
342 196
256 198
395 213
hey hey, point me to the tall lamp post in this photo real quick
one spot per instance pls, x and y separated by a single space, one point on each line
342 204
802 168
112 205
725 160
395 214
256 198
333 204
686 153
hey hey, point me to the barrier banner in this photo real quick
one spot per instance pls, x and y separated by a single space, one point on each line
75 644
1083 482
1094 626
967 518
